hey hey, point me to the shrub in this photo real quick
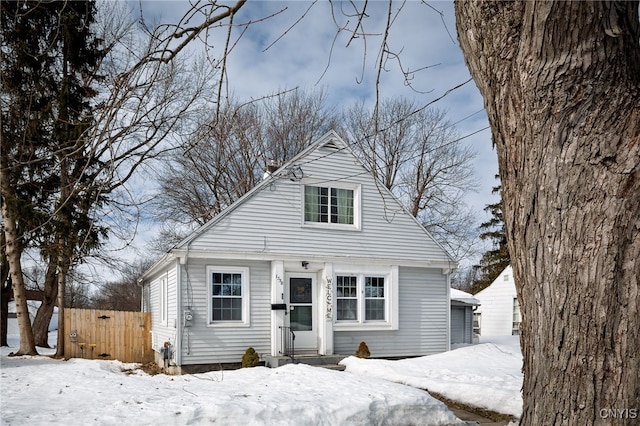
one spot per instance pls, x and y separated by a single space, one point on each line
250 358
363 351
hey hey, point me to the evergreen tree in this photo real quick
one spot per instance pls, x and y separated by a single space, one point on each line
495 260
50 58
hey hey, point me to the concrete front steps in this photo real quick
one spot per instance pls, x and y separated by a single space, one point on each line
326 361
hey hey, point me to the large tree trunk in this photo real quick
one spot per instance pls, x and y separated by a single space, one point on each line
561 84
5 291
62 282
45 311
6 295
64 249
13 252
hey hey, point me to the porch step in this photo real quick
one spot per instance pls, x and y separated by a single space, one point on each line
327 361
336 367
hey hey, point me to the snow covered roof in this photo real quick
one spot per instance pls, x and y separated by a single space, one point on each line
461 296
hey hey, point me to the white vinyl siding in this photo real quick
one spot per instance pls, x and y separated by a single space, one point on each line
497 305
269 225
271 221
163 307
204 342
422 319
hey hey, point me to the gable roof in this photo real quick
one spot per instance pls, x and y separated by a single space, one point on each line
292 171
502 282
328 139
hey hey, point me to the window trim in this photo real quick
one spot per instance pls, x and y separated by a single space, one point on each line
477 323
368 298
516 314
356 298
164 301
246 296
391 298
356 188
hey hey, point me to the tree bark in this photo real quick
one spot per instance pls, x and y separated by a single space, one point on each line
561 85
45 311
13 252
7 293
63 269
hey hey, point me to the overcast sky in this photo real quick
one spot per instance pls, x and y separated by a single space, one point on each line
298 47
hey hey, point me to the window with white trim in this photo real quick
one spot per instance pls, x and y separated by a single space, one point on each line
361 298
346 298
517 318
163 301
374 304
228 295
477 323
335 205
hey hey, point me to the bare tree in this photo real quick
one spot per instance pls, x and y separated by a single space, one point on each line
417 154
124 294
143 96
77 291
227 157
561 83
291 121
384 137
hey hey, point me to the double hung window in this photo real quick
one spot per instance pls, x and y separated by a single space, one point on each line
331 205
374 305
361 298
229 295
347 300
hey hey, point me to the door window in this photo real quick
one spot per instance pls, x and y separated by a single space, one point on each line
301 300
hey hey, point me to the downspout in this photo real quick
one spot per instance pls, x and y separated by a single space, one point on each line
448 280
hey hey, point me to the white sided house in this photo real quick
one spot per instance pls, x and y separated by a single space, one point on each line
318 250
499 313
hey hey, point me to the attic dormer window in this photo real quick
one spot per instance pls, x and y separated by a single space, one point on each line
326 204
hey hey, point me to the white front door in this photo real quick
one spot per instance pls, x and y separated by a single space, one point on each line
302 315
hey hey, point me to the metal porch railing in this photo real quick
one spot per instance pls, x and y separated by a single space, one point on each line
288 342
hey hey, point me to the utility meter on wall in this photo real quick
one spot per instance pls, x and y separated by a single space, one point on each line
188 318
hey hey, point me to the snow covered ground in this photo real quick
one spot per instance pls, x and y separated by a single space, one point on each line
42 391
487 375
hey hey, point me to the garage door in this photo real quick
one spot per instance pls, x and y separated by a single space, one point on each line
457 325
